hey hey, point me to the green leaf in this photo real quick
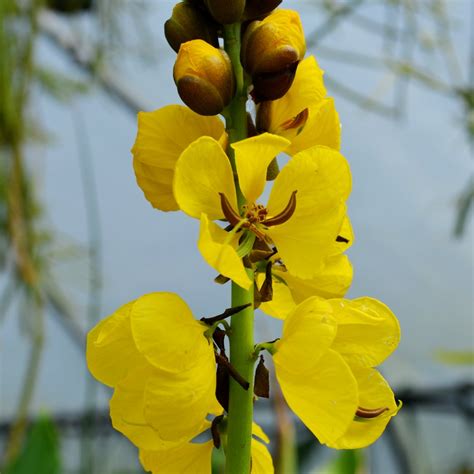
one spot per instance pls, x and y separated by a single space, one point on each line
40 454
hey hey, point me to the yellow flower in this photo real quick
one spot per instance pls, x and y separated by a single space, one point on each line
204 77
332 282
324 365
162 136
304 114
162 367
196 457
303 216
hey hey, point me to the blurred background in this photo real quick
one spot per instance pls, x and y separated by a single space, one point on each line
78 239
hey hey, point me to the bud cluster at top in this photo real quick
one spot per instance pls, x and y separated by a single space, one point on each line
273 44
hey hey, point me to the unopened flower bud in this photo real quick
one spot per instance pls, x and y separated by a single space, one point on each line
271 51
187 23
256 9
226 11
204 77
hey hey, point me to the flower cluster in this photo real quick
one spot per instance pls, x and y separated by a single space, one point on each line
170 372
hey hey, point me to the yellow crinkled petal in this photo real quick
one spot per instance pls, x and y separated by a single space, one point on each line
324 398
368 332
306 91
157 185
220 252
322 127
177 404
252 157
308 332
111 351
288 290
346 232
127 411
282 302
187 458
167 334
322 179
334 280
162 136
202 172
374 393
262 462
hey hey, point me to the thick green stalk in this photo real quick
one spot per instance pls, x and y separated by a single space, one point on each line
239 428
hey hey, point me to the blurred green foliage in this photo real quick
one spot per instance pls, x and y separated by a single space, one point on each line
41 451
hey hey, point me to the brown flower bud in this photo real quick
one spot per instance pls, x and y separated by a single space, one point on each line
271 51
256 9
226 11
187 23
204 77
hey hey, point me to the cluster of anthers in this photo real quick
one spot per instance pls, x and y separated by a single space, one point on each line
185 388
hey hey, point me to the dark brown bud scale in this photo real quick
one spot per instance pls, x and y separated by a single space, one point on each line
257 9
226 11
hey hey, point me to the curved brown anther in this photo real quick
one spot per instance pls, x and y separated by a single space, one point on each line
229 213
368 413
297 121
285 214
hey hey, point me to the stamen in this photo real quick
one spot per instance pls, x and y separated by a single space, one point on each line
297 121
285 214
230 214
368 413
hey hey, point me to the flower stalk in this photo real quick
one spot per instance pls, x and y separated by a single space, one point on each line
240 416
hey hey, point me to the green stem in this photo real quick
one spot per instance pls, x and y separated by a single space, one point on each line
240 417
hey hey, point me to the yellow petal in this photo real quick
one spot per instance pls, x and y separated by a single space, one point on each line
322 179
324 398
162 136
306 91
127 411
187 458
111 351
177 404
374 393
346 232
308 332
259 433
322 127
262 462
333 281
157 185
368 332
202 172
288 290
220 252
252 157
282 302
167 334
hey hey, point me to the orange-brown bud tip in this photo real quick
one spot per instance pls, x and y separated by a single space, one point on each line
187 23
226 11
204 77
